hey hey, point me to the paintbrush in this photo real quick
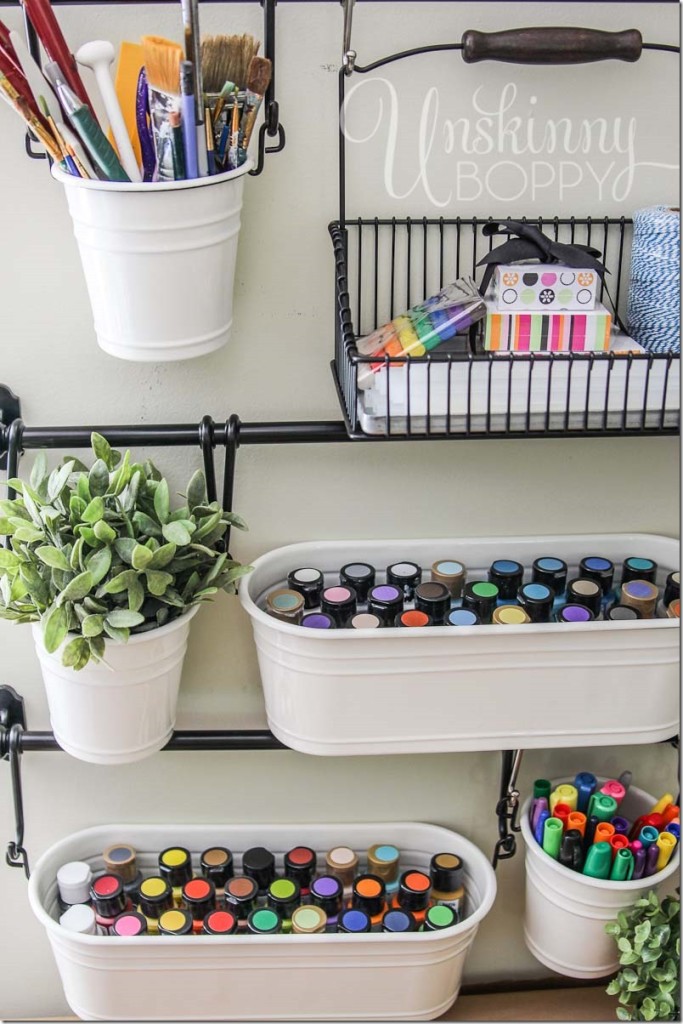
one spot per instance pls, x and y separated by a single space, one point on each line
43 19
20 105
223 96
66 157
258 80
162 64
193 54
226 59
14 74
233 155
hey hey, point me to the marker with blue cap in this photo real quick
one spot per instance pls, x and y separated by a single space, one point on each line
648 835
540 826
586 784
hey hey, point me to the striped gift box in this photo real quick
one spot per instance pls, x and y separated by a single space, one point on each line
548 332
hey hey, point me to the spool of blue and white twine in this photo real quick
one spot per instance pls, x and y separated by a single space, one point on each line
654 310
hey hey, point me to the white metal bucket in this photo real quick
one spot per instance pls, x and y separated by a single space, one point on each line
566 912
159 261
123 710
413 976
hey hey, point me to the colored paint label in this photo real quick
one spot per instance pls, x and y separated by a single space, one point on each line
355 921
264 920
485 589
550 564
505 566
300 856
308 917
512 616
283 889
462 617
385 593
386 853
307 575
417 881
221 921
317 620
153 887
638 588
536 592
575 613
368 888
326 886
598 564
441 916
284 602
197 889
337 595
173 920
128 924
174 858
241 887
641 564
120 853
107 885
449 568
414 618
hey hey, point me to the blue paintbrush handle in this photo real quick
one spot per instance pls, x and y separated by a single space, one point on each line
189 136
149 160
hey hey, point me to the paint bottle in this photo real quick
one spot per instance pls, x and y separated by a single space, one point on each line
406 576
434 599
398 921
383 861
342 862
176 922
599 569
640 594
108 900
219 922
414 889
462 617
622 613
354 922
672 592
285 605
364 620
240 897
451 574
318 620
674 610
327 893
360 576
121 859
73 883
507 575
154 899
439 917
340 604
199 898
79 918
284 896
369 894
587 593
130 923
638 569
259 864
574 613
386 602
412 618
300 865
446 876
553 573
175 865
309 921
510 615
217 865
537 601
480 597
309 583
264 921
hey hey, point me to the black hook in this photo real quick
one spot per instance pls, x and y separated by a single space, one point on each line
16 855
232 443
507 808
206 444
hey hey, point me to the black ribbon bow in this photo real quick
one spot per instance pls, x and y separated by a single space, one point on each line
530 244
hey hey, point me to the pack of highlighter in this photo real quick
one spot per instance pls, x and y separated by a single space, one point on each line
423 327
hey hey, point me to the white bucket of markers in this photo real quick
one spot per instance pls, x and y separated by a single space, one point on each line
122 709
566 911
159 261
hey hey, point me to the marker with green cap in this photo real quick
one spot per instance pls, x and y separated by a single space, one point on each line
542 787
552 837
598 861
622 866
602 806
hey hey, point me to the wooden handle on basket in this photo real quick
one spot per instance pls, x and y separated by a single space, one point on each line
559 44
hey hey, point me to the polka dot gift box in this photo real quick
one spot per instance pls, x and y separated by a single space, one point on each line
548 287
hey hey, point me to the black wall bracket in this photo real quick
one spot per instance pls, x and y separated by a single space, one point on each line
10 410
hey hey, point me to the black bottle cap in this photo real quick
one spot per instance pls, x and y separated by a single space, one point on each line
175 922
360 576
354 921
585 592
622 613
175 865
309 583
385 601
594 567
672 588
368 894
240 895
434 599
220 922
507 576
300 864
155 897
327 892
132 888
638 569
405 575
340 604
199 897
399 921
107 895
445 871
284 895
216 863
414 889
259 864
480 597
537 601
551 571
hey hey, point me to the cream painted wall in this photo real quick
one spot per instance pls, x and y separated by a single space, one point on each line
277 367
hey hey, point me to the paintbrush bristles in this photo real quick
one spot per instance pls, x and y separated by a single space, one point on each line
227 59
162 61
258 75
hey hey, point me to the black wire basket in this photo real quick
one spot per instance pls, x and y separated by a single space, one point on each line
385 266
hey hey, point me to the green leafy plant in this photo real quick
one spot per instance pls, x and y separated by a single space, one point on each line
100 553
649 941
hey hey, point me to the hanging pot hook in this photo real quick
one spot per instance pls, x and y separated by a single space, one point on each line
206 444
348 55
507 808
16 855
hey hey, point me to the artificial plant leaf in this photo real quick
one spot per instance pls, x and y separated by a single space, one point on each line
122 618
53 557
58 480
102 450
94 511
136 595
117 584
141 557
55 628
124 549
92 625
98 478
176 533
162 556
78 588
76 654
39 470
162 502
196 490
99 564
158 582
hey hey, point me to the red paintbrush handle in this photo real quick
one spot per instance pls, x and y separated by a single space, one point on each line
16 78
43 19
6 43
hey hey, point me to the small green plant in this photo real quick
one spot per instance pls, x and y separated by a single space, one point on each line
100 553
649 941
